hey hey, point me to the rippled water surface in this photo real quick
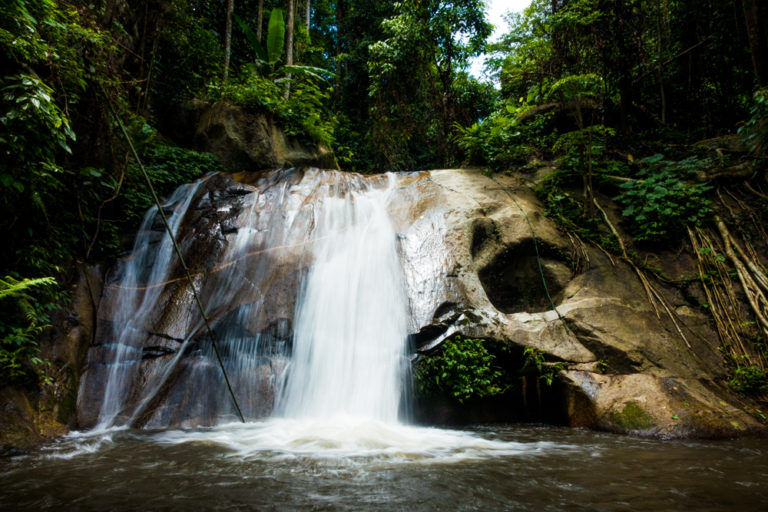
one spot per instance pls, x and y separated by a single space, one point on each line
344 464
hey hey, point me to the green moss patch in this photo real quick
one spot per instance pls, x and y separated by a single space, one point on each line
632 417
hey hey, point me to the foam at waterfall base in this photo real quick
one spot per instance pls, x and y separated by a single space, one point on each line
350 437
78 443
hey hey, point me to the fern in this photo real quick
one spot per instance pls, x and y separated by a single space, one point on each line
22 321
11 287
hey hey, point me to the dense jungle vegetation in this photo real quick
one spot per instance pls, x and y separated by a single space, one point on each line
659 106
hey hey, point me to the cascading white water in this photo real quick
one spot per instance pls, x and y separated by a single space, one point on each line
352 313
350 317
317 247
151 262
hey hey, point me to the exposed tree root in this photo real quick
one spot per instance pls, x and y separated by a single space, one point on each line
752 277
731 322
579 253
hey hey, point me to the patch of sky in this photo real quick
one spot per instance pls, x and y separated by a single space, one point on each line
496 13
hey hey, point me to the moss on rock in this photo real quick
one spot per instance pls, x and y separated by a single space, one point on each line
632 417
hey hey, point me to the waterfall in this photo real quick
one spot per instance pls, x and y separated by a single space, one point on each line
351 316
151 262
300 276
312 281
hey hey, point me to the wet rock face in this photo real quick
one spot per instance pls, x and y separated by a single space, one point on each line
150 333
624 368
471 268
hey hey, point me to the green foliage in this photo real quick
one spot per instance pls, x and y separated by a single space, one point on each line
37 33
35 132
304 113
270 55
253 40
507 138
566 207
23 319
35 128
572 146
573 87
568 211
749 380
10 287
533 359
275 36
411 72
462 369
51 52
190 57
623 58
168 167
659 204
754 132
498 142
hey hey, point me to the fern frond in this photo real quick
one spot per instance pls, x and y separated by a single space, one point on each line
11 287
28 310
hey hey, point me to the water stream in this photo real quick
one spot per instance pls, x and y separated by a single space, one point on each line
238 467
332 383
351 317
304 288
152 263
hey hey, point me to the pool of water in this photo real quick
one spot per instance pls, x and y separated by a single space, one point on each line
363 465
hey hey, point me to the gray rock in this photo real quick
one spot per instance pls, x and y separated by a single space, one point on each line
471 267
653 384
249 140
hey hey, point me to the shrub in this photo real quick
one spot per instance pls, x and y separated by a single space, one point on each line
23 319
659 204
168 167
303 113
749 380
461 369
533 359
754 132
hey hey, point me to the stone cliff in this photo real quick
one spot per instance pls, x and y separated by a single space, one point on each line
470 262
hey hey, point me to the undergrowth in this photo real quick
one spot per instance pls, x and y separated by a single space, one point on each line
462 368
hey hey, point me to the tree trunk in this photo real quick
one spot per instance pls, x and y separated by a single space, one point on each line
228 38
621 15
260 20
289 43
341 66
756 18
289 33
307 15
661 9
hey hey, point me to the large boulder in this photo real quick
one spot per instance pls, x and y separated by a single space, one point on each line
244 139
476 254
622 364
248 289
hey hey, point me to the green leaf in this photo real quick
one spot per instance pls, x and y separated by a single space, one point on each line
261 53
311 71
275 36
10 287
